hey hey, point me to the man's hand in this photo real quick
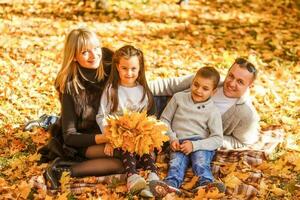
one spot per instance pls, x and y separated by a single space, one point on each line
175 146
108 149
186 147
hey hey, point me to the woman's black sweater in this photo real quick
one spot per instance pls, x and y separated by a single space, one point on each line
78 111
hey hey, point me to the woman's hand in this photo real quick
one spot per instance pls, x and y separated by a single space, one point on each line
100 139
108 149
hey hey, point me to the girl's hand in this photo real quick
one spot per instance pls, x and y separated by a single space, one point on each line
186 147
108 149
100 139
175 146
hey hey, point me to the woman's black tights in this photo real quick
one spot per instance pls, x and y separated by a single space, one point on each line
98 164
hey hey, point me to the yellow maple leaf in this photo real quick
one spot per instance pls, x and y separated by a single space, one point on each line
121 189
277 191
231 181
264 166
48 197
136 132
190 185
129 120
294 159
24 189
172 196
213 193
228 168
34 157
145 147
263 187
201 194
65 181
242 176
3 182
128 144
146 124
63 196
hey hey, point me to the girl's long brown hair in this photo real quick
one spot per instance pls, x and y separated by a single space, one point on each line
126 52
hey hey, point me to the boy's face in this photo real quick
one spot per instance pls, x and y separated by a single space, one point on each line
202 89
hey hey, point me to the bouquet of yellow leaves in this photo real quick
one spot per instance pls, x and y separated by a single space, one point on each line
136 132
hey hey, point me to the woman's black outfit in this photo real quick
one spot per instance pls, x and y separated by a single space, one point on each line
73 136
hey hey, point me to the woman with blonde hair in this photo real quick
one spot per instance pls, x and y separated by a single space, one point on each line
80 83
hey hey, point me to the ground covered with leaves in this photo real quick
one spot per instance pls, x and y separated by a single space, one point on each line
176 40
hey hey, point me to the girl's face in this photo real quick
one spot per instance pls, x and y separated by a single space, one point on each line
90 56
128 71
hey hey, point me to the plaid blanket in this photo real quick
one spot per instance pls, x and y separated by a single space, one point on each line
225 163
244 161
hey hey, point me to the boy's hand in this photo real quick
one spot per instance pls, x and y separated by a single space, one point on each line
108 149
175 146
186 147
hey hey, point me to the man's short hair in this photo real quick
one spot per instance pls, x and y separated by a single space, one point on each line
209 73
243 63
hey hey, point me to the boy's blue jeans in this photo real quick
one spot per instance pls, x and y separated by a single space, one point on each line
179 162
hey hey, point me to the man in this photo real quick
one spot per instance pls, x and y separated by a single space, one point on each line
239 117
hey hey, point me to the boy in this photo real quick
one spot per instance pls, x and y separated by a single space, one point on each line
195 131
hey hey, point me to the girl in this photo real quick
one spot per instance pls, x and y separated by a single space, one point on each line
127 88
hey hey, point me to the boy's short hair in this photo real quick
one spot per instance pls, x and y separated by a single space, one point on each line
210 73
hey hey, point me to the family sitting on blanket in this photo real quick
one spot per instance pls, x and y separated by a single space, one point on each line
81 82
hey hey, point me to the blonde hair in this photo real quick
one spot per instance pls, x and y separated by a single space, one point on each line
76 41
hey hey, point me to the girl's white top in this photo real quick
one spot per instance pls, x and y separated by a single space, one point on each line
130 98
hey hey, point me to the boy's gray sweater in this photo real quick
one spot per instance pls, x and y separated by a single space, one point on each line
187 119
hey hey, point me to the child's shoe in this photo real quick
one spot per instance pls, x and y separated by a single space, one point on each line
219 185
146 192
136 183
160 189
